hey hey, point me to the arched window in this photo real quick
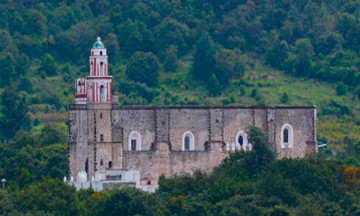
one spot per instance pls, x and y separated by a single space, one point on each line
79 87
101 68
134 141
100 52
101 162
110 165
241 141
287 136
91 68
188 141
102 94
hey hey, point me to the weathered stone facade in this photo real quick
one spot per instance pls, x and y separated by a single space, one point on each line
101 136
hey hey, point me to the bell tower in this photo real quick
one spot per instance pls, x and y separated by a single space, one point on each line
99 82
95 88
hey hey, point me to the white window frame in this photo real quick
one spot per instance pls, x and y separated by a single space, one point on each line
134 135
290 143
245 140
192 141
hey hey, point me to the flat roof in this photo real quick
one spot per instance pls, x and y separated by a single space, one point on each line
151 107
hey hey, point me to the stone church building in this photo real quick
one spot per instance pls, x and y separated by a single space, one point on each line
112 145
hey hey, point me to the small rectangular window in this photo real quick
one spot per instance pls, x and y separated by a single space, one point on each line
101 115
133 144
101 137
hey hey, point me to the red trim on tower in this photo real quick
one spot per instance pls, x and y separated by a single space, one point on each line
94 67
94 94
99 77
80 95
107 93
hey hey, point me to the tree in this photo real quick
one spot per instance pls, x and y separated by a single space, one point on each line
304 53
341 89
213 85
52 134
229 64
15 112
112 46
261 155
48 65
51 196
277 54
284 98
144 68
204 64
357 92
171 59
36 22
171 32
7 72
133 36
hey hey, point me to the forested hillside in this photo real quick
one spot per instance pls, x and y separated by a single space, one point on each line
304 52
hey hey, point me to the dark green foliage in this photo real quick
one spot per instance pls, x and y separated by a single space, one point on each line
357 92
315 174
48 65
137 90
284 98
213 85
341 89
279 187
261 155
171 59
52 134
256 95
7 72
308 186
304 54
204 64
144 68
49 195
171 32
131 202
133 36
279 211
229 64
7 203
277 54
15 112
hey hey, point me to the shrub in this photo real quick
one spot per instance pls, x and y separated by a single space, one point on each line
341 89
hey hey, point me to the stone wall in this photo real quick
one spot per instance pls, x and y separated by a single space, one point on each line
162 129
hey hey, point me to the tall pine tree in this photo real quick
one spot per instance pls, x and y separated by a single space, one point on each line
204 58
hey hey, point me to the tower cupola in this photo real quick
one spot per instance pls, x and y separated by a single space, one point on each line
96 88
98 43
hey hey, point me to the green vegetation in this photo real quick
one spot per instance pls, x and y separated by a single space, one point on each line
183 52
246 183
